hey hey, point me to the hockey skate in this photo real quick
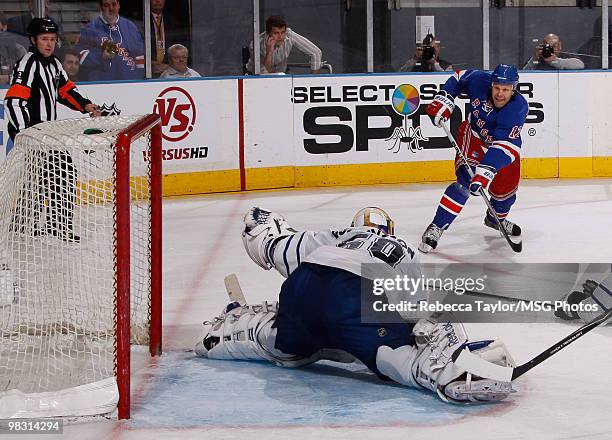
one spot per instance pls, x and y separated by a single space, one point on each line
511 229
430 238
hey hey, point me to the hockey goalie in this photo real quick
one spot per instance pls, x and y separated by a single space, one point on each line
318 314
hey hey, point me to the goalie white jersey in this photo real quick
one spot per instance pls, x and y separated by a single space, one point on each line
349 249
366 251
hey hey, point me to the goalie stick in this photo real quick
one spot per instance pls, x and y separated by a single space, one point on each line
234 291
516 247
476 365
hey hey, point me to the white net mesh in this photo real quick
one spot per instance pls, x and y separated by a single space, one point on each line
57 254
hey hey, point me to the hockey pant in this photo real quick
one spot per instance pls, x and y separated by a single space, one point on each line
320 307
502 189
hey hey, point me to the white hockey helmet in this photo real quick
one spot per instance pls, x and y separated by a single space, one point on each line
373 216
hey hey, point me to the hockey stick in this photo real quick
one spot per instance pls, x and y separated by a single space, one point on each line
234 291
516 247
476 365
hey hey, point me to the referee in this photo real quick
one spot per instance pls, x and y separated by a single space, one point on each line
38 83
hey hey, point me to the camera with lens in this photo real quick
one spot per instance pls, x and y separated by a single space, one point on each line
428 53
428 49
547 50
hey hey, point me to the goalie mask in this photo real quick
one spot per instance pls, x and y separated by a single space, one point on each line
372 216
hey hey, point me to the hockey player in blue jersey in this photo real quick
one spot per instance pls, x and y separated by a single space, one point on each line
490 139
318 314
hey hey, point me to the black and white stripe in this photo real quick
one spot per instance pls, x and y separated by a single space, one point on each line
43 77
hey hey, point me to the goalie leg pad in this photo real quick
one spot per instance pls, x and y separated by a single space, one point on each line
262 230
429 364
245 333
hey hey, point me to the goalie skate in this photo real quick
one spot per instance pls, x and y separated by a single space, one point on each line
483 390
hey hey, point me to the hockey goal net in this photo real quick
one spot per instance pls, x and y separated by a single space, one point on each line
80 264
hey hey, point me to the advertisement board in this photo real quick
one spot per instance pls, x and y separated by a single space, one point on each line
382 119
286 131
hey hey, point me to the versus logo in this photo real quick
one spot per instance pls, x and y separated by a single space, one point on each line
397 123
180 153
177 110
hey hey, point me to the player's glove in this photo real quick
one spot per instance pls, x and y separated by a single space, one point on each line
482 178
441 108
589 286
594 299
602 294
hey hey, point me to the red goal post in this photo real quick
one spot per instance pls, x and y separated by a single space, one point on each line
80 264
149 123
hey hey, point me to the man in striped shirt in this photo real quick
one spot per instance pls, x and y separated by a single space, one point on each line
38 83
277 42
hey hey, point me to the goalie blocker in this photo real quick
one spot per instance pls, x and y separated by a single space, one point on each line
319 315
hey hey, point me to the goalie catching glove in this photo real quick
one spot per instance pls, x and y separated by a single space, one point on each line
262 229
429 364
441 108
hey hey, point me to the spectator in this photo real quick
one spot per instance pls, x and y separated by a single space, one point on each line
10 50
178 55
276 44
165 32
427 58
110 46
548 56
71 64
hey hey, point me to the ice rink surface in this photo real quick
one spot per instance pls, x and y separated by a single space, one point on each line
180 396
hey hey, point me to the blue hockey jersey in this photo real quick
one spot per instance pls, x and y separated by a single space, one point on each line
499 129
129 61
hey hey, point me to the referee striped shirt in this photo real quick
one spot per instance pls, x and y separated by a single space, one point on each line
37 85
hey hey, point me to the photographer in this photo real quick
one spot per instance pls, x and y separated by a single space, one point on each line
548 56
427 58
